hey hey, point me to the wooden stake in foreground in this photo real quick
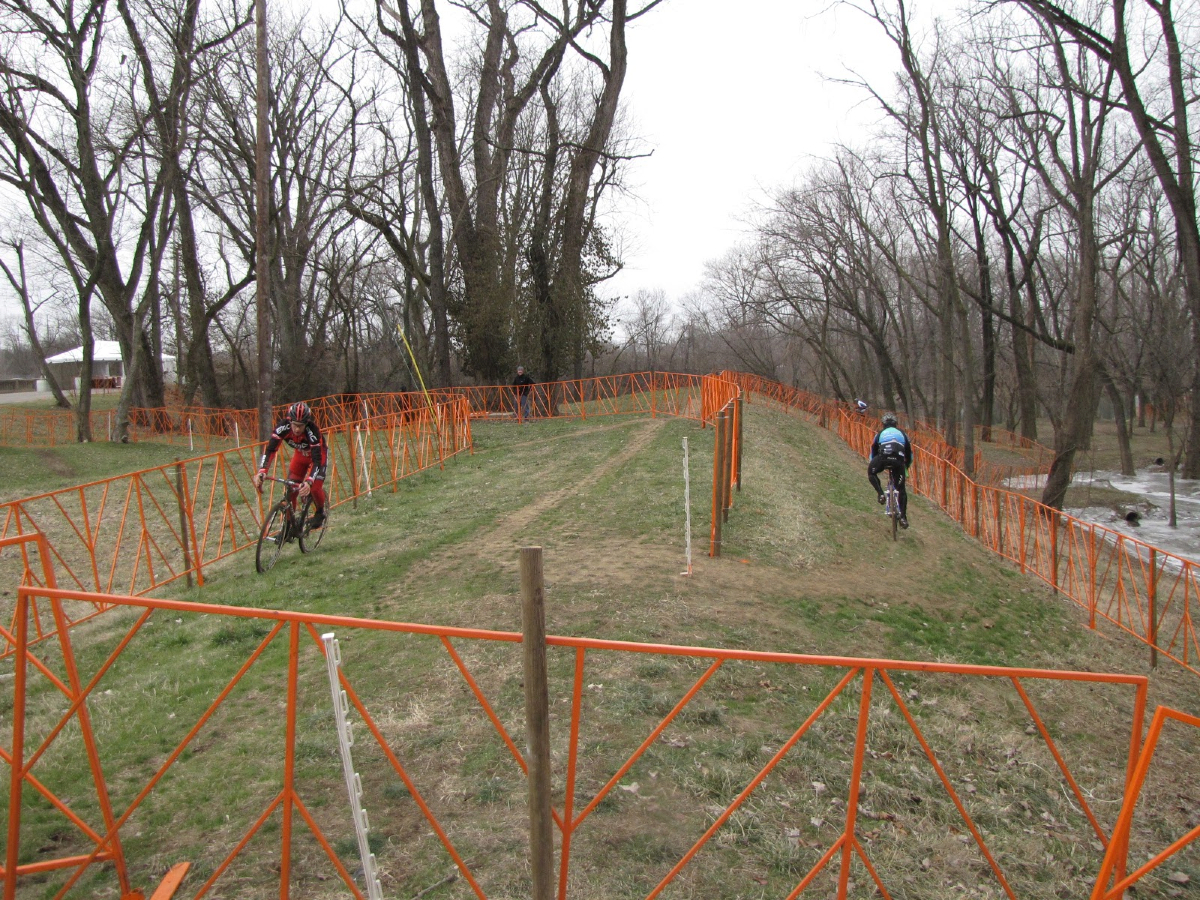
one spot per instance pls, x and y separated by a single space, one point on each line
537 722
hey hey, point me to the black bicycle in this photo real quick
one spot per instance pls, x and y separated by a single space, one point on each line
282 525
892 502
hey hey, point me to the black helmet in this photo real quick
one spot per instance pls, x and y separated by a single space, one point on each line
889 420
299 412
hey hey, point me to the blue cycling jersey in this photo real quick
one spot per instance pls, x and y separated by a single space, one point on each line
892 435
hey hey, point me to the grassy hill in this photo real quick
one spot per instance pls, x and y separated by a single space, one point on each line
808 567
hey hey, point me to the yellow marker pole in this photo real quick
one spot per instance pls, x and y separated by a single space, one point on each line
421 381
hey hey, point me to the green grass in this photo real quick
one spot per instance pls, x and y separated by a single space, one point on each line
808 566
26 473
100 401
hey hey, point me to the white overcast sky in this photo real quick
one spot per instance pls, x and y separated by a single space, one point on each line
734 99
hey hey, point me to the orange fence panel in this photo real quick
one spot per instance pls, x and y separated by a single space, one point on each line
1147 592
137 532
1110 885
134 533
859 697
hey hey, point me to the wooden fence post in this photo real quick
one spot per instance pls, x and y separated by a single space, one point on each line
727 455
975 493
1021 532
353 469
537 722
17 759
1092 577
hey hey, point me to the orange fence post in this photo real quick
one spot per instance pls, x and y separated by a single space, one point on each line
714 546
1152 592
17 774
537 722
183 520
1053 515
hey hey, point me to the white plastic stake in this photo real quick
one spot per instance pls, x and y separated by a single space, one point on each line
191 445
237 436
362 455
687 507
341 706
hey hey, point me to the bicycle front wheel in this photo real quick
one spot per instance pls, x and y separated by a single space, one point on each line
310 537
271 538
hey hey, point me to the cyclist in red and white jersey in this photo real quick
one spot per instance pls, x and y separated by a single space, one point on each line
301 433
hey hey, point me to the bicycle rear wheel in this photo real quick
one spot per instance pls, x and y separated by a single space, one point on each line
271 538
310 537
893 504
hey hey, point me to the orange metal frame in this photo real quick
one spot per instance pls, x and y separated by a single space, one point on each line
574 810
127 534
1147 592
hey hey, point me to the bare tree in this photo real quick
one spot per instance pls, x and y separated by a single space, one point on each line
18 279
77 151
1160 114
522 46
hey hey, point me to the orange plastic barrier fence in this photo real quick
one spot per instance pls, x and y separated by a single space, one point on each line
859 430
1109 883
134 533
1149 593
864 694
137 532
644 393
200 427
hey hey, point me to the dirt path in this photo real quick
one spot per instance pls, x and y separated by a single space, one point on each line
499 535
498 541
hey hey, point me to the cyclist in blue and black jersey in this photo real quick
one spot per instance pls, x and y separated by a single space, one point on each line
891 449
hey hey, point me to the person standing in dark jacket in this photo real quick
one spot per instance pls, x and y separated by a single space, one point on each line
522 385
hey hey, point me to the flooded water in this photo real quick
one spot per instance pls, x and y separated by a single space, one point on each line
1153 524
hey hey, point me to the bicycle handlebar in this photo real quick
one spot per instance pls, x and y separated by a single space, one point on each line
291 484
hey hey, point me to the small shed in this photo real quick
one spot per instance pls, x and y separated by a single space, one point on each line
108 369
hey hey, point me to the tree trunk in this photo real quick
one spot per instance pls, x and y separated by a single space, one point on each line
1121 418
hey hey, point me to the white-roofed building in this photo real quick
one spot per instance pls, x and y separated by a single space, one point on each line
108 369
